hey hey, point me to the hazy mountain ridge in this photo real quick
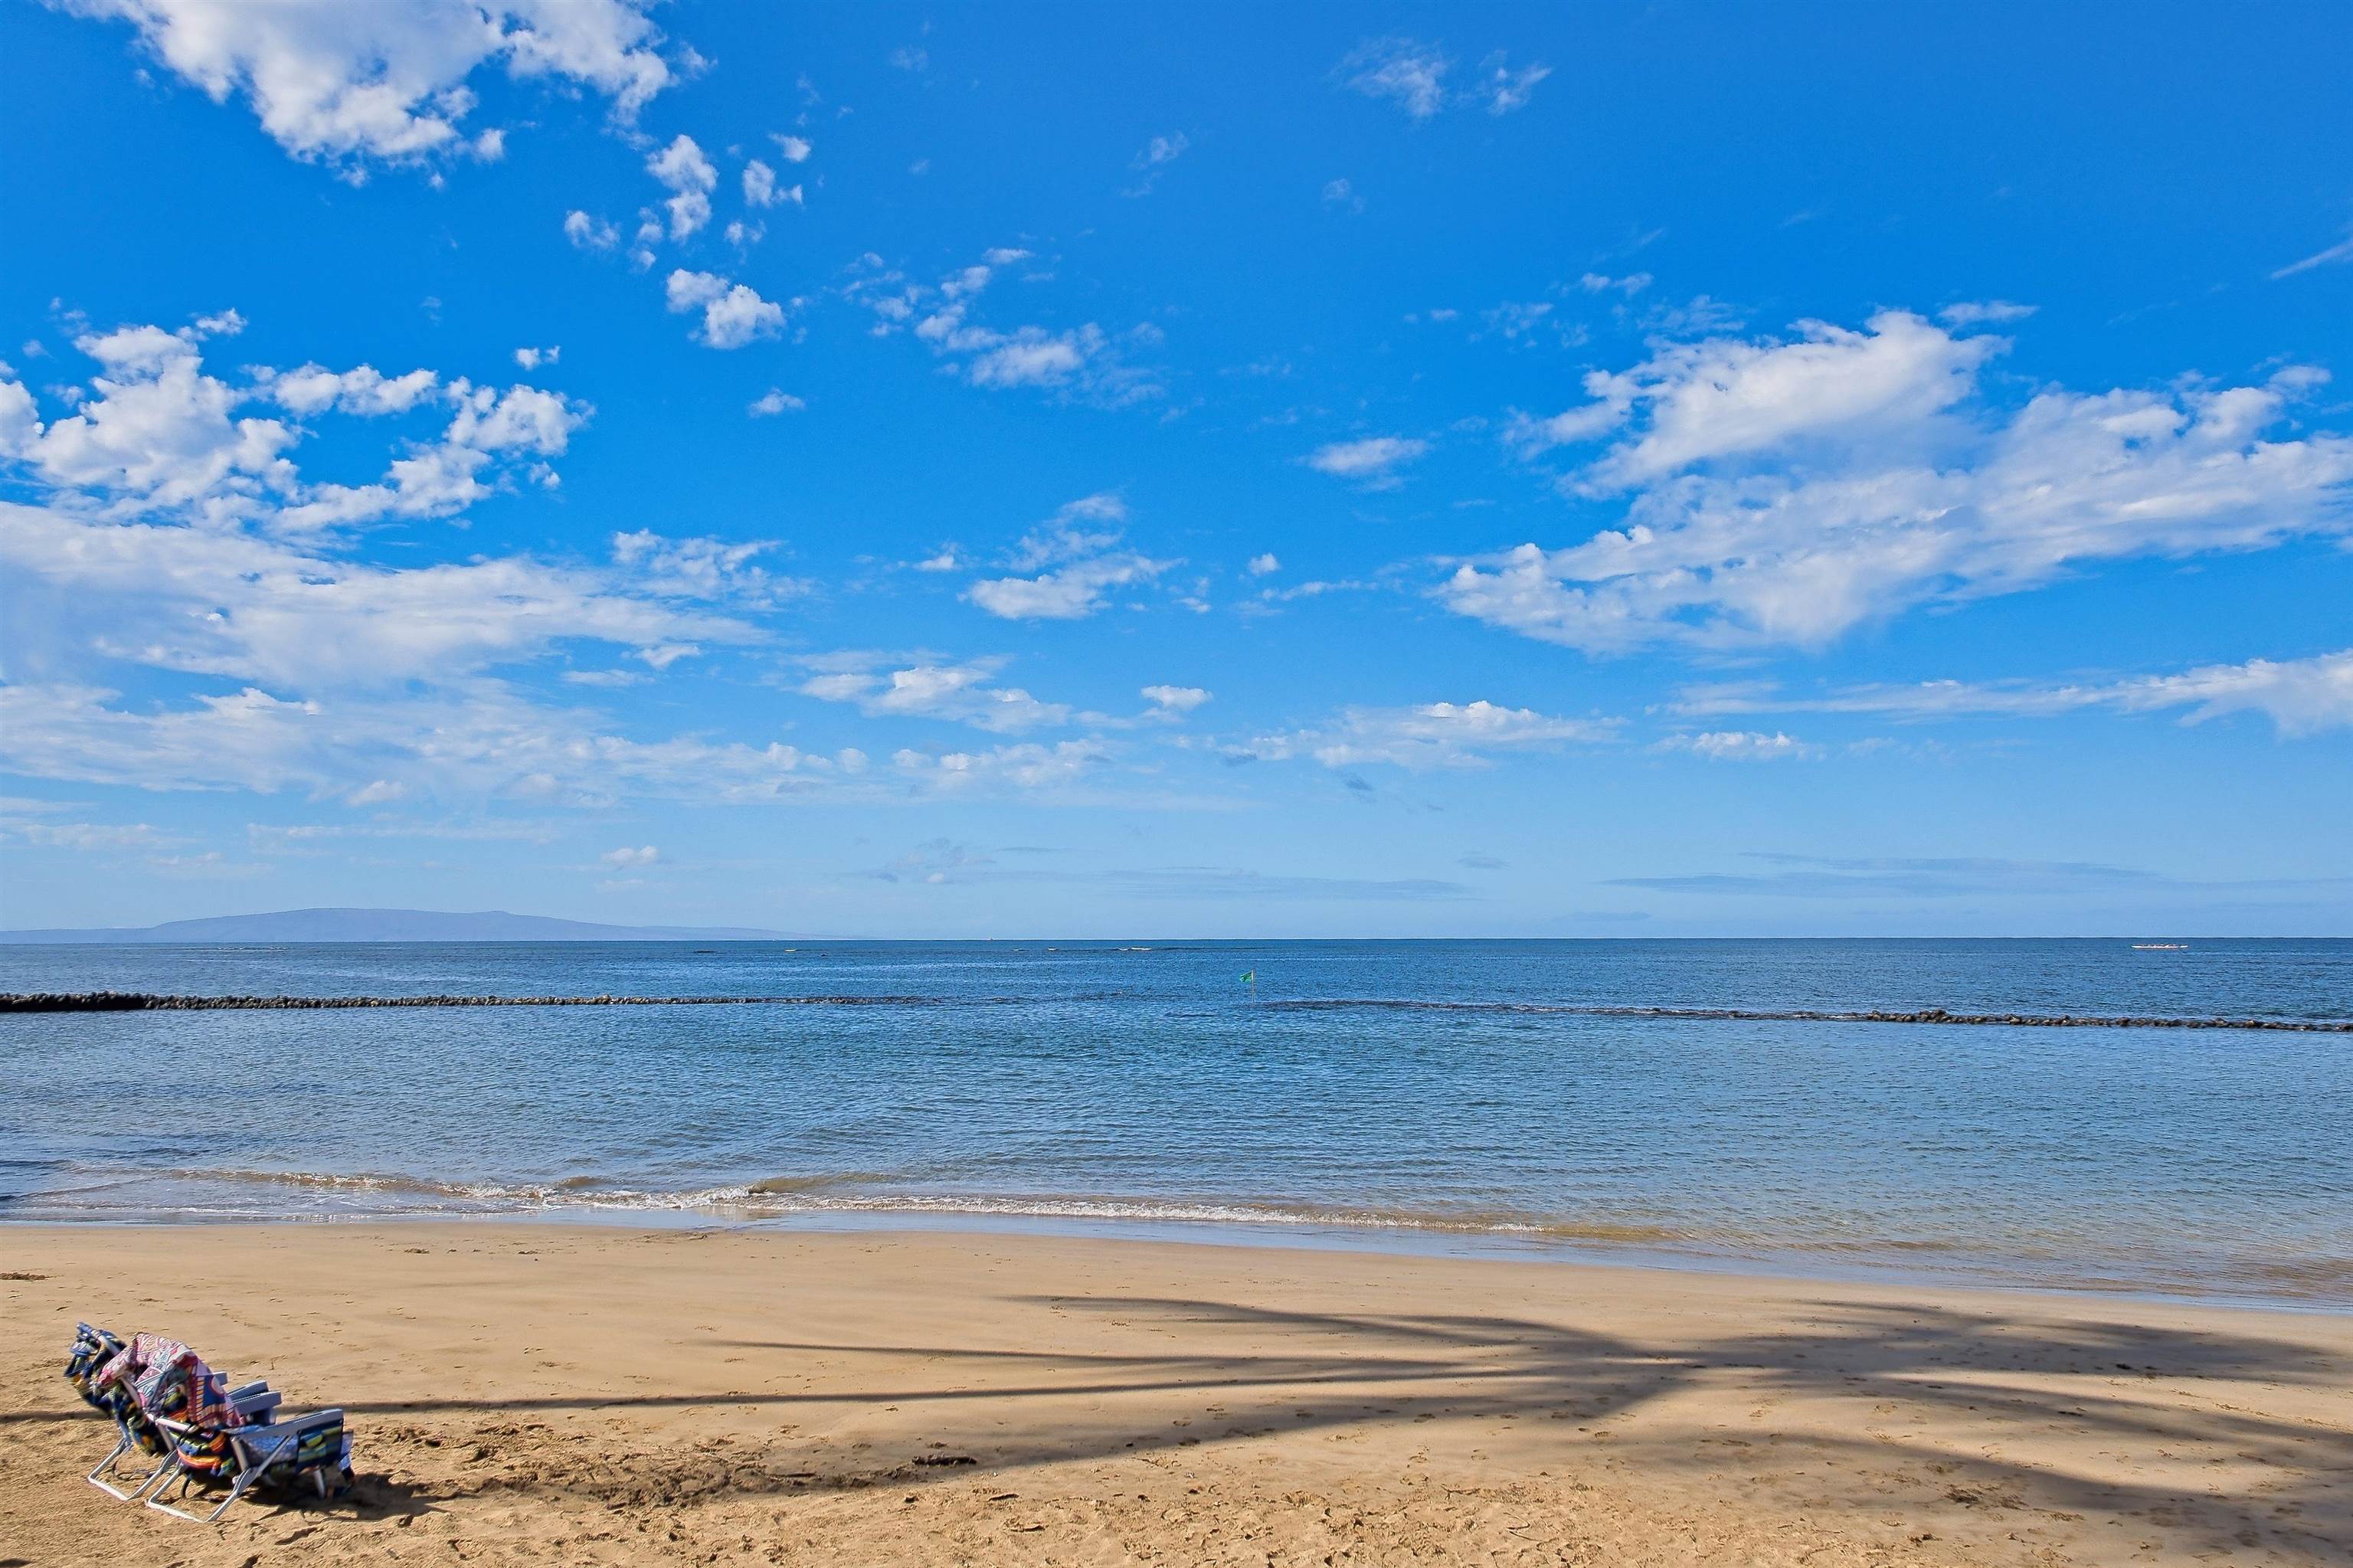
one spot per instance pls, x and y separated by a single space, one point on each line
390 926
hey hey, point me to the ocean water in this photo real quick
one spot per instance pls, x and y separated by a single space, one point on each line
1146 1086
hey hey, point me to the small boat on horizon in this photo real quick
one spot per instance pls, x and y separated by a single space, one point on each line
2160 946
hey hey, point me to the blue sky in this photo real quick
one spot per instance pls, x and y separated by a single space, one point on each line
1180 470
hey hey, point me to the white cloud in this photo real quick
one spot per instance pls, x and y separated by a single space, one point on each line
1725 397
487 429
366 682
774 401
1975 313
1088 564
1433 735
1156 155
195 599
343 83
1739 746
1028 356
478 739
2337 254
156 432
589 233
1631 285
1341 194
965 694
1259 565
533 358
1783 492
690 178
794 149
1533 436
2300 696
699 569
1024 765
1071 593
85 837
1502 90
1372 461
733 314
1410 75
760 187
628 859
1081 360
315 389
1175 699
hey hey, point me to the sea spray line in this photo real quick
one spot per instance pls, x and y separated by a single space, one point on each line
149 1002
1815 1015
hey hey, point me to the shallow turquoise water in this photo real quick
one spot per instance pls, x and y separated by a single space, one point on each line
1099 1083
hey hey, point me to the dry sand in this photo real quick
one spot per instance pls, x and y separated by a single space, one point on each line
573 1395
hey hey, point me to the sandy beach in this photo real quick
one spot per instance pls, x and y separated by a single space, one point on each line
574 1394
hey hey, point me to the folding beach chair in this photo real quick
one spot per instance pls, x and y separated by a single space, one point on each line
129 1385
208 1433
279 1458
92 1349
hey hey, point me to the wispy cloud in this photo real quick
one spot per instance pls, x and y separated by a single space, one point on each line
1740 745
1082 545
2335 255
1867 878
964 693
1830 877
2300 696
1414 75
1085 360
1372 461
1153 162
1428 736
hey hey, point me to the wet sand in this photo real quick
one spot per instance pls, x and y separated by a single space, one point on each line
580 1394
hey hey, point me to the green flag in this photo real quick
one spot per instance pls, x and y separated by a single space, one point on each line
1250 976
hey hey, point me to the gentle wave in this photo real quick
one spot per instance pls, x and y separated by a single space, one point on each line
194 1194
838 1193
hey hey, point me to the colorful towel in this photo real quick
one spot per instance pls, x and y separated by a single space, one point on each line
167 1379
94 1348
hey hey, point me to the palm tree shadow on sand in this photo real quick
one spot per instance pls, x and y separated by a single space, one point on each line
1972 1367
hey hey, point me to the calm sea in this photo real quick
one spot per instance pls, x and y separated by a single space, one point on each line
1146 1086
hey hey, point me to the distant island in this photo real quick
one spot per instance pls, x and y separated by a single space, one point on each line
392 926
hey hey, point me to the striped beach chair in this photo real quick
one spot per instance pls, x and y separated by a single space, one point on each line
212 1438
124 1385
283 1459
92 1349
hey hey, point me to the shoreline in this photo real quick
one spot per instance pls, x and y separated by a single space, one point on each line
1787 1267
610 1393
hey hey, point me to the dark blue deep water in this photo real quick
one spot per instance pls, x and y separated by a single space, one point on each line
1095 1084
